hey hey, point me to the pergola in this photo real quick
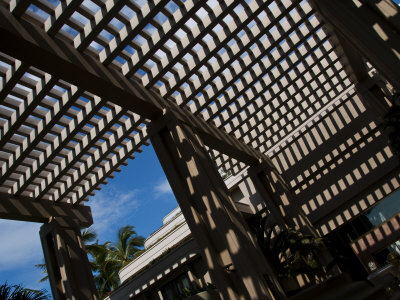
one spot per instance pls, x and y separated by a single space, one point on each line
292 91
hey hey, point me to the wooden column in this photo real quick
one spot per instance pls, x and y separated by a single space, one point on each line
236 265
66 261
278 197
375 96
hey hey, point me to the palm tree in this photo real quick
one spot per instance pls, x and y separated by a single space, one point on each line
104 267
18 292
128 244
88 236
42 267
109 258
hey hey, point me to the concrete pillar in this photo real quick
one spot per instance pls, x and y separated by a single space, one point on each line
66 261
372 30
235 262
278 198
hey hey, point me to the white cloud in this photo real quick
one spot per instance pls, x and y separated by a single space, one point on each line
109 206
20 244
163 188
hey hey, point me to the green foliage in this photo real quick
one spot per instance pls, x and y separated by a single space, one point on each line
297 253
128 243
288 250
42 267
88 235
105 268
18 292
108 258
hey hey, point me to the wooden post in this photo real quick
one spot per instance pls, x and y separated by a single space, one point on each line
66 261
236 264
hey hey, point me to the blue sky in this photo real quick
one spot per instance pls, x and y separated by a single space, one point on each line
139 195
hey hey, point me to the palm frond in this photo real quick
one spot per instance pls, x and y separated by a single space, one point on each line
18 292
89 235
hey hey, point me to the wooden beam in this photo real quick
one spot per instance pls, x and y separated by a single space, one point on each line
31 210
214 220
60 59
217 138
357 64
371 35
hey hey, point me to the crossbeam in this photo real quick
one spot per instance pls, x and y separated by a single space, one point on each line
62 60
31 210
371 35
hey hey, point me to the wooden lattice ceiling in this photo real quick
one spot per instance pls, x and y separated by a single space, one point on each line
266 72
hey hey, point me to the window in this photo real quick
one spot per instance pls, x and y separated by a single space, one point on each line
176 287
